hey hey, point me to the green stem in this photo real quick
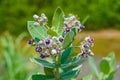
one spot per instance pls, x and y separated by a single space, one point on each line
57 73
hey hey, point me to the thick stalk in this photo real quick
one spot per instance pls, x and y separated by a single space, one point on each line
57 73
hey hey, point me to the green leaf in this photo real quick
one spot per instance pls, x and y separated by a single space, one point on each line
68 39
104 66
112 61
73 63
39 32
48 71
79 62
42 77
51 32
44 63
89 77
69 74
37 39
19 39
65 55
58 20
111 75
93 66
75 30
85 19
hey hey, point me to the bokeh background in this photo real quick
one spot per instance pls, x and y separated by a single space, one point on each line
103 24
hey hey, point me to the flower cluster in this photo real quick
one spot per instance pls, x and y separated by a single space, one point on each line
72 22
48 46
42 20
53 45
85 47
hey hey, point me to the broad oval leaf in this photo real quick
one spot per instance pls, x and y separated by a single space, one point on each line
44 63
65 55
73 64
39 32
104 66
68 39
58 20
111 75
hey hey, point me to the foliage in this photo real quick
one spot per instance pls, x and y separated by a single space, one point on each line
14 63
61 66
102 13
107 67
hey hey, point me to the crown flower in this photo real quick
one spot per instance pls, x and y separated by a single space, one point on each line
55 45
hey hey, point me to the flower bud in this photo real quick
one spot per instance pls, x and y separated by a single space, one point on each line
72 18
61 39
38 49
36 24
53 51
35 16
41 42
81 27
42 55
47 41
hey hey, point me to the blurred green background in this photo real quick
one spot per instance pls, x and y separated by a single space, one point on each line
15 13
103 25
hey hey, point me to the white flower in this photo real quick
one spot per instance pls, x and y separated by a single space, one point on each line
35 16
36 24
53 51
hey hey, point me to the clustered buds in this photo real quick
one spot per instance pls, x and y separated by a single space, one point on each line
49 46
42 20
85 47
72 22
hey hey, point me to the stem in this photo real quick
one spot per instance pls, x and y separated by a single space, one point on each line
57 74
46 27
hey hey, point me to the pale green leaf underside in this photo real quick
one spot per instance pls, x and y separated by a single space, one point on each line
58 20
39 32
68 39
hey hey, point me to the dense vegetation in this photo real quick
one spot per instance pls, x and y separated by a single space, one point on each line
102 13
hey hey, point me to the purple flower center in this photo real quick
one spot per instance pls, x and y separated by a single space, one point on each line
91 40
42 56
60 39
38 49
67 29
83 54
48 41
85 46
31 41
81 27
